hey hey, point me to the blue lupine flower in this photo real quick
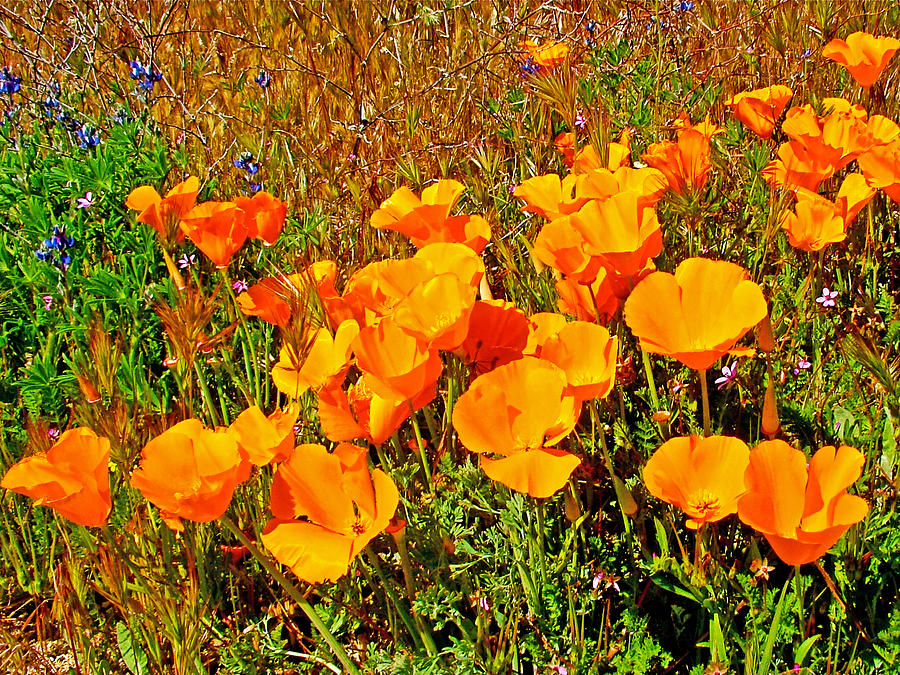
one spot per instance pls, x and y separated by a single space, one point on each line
254 187
9 83
88 137
263 79
146 76
530 66
55 249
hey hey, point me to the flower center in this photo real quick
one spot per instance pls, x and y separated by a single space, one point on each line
703 504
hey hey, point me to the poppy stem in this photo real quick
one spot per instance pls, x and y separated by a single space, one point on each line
704 393
295 595
421 444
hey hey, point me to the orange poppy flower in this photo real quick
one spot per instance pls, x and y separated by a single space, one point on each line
453 258
704 477
565 144
72 477
685 163
427 220
437 311
575 298
623 233
837 137
374 291
343 506
881 168
853 195
264 216
164 214
863 54
549 196
265 299
265 439
882 130
190 472
815 223
545 57
217 228
796 166
518 411
360 413
541 327
587 355
760 109
498 333
802 509
561 246
619 155
696 315
400 366
326 362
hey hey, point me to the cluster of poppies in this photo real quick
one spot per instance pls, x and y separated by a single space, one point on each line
219 229
373 354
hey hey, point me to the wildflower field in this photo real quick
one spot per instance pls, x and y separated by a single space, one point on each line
461 337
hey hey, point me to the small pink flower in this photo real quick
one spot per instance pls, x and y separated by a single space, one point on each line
597 579
53 433
827 297
802 364
85 202
186 261
728 374
560 670
48 302
239 286
482 603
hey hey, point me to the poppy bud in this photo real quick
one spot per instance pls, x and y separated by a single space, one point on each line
770 424
764 335
573 510
662 416
626 501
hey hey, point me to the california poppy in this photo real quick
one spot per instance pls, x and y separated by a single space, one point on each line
587 354
549 196
266 299
621 231
863 54
164 214
546 56
361 413
326 507
815 223
760 109
190 472
265 439
685 163
696 315
796 166
588 302
437 311
541 327
518 411
400 365
428 220
498 333
881 167
326 361
72 477
264 216
802 509
561 246
375 290
217 228
701 476
587 159
565 144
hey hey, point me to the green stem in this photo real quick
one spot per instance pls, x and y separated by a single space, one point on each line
412 591
207 397
242 322
295 595
392 596
421 444
704 393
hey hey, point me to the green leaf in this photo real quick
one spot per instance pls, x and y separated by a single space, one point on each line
134 657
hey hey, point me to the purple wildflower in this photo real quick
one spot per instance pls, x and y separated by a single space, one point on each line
85 202
239 286
728 374
802 364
